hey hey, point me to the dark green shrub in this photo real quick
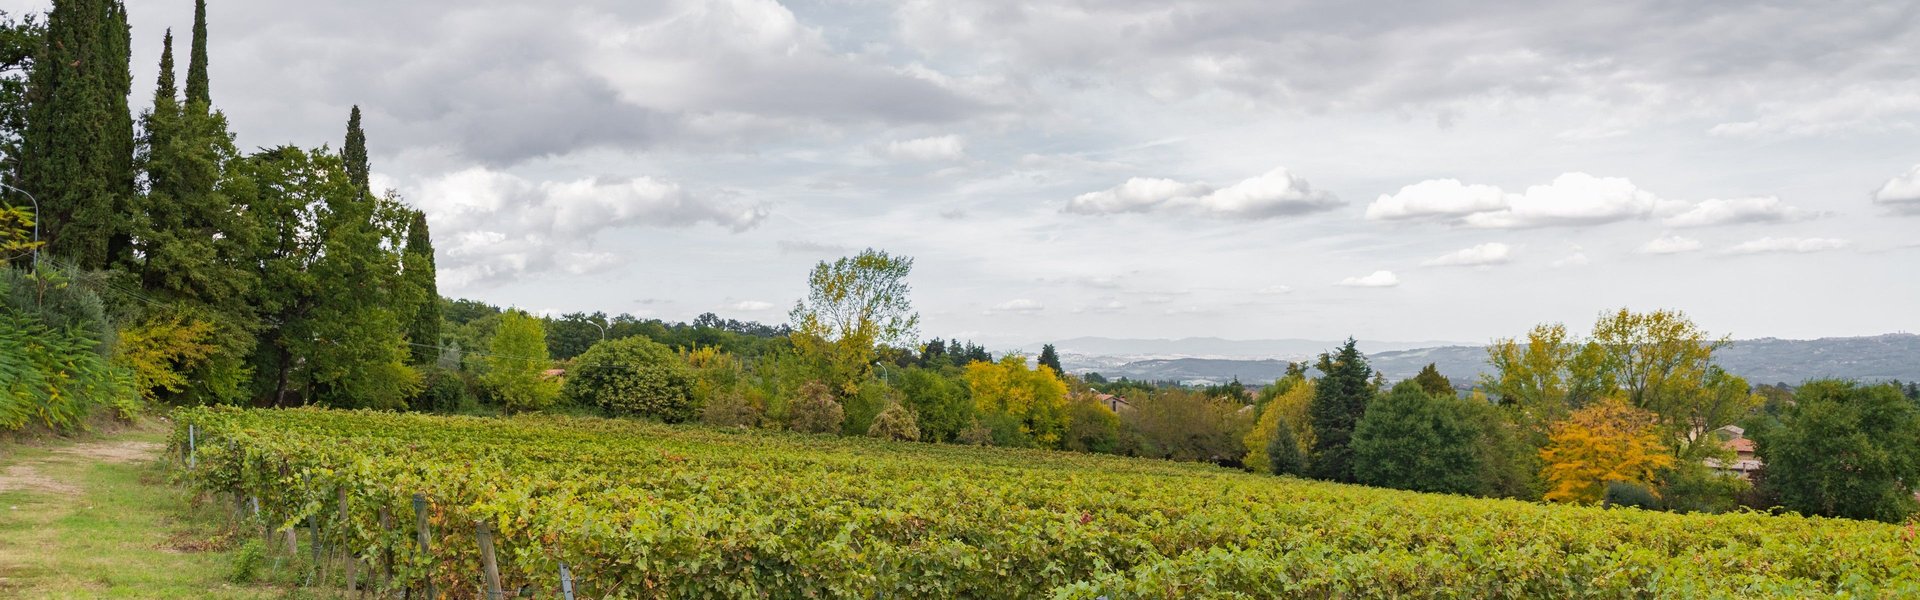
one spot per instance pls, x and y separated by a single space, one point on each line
633 376
1621 493
1283 453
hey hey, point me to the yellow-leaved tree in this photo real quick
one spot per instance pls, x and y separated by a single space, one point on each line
1289 407
161 351
1606 441
1030 403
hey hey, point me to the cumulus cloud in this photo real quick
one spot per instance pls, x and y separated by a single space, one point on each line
1017 306
503 226
1734 211
1275 290
1492 253
1901 193
1275 193
1437 199
1377 279
1671 244
1569 200
937 148
1768 245
751 306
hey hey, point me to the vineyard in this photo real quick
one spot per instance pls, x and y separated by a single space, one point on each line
623 509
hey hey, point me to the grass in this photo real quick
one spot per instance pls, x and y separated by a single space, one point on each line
95 517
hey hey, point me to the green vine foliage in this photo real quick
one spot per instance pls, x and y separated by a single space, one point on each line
645 510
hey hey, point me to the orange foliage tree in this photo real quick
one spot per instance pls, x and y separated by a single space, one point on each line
1606 441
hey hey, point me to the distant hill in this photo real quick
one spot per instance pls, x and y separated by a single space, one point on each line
1766 360
1211 347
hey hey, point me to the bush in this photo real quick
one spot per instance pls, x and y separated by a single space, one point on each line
1091 426
730 410
247 561
633 376
443 390
1622 493
54 370
941 401
975 434
895 422
815 410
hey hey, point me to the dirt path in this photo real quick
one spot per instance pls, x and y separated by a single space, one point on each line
96 518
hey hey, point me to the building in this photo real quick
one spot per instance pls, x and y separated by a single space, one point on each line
1114 403
1745 460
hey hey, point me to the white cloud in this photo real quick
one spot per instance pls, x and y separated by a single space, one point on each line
1901 193
750 306
1572 199
945 147
1017 306
1138 194
1275 290
1437 198
1273 194
1491 253
1757 209
505 227
1671 244
1377 279
1796 245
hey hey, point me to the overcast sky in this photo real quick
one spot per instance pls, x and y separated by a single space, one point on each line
1433 170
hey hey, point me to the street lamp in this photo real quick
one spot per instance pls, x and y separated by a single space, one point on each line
602 328
36 223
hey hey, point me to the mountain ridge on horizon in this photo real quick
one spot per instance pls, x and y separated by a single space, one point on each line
1760 360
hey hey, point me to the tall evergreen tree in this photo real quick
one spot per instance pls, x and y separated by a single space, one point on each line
355 153
77 152
418 270
1340 399
190 236
1433 382
20 41
1048 358
198 94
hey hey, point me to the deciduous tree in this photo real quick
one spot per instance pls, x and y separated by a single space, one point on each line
852 304
1845 449
1414 440
1033 400
1606 441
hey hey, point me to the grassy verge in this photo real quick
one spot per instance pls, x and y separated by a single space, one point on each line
96 518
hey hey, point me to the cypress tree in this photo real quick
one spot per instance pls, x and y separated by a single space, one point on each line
418 270
77 152
198 92
1433 382
1339 401
355 154
1048 358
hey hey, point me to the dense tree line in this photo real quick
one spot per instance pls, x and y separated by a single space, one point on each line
272 277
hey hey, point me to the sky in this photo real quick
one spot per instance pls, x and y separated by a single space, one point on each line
1435 170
